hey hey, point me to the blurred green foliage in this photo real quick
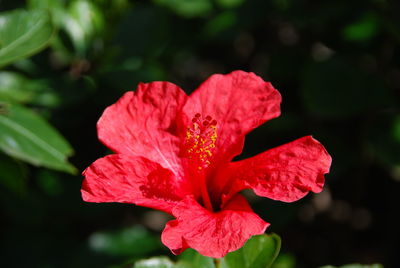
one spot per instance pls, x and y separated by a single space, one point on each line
336 64
126 242
356 266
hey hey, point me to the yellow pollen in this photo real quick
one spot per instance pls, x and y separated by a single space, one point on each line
200 141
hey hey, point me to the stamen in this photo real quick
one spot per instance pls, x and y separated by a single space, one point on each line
200 141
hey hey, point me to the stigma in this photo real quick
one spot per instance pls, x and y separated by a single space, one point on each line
201 136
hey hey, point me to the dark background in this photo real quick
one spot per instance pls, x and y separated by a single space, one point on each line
336 64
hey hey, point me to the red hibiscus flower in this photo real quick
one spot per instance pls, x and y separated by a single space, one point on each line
174 153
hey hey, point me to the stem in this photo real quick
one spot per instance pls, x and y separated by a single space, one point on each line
217 263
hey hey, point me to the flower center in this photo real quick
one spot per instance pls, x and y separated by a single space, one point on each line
200 140
201 136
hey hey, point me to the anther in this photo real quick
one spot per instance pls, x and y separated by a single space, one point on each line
200 140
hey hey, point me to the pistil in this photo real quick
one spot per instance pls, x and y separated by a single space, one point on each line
200 141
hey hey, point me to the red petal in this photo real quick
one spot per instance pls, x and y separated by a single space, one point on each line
239 102
136 180
286 173
141 122
172 238
212 234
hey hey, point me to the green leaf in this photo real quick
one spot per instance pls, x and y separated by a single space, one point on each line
23 33
259 252
27 136
192 259
284 261
57 9
156 262
355 266
127 242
